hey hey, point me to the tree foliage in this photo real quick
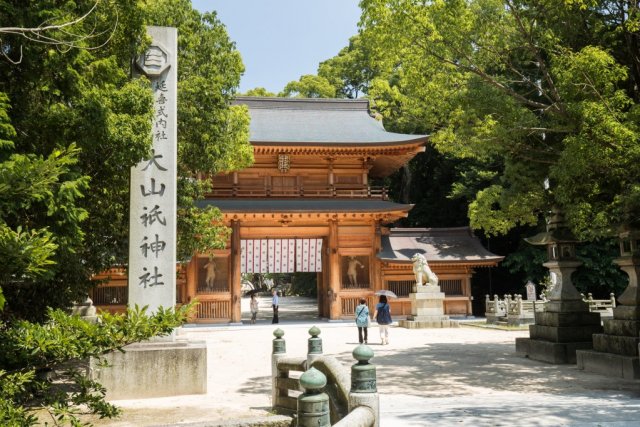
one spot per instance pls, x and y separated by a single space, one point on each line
547 90
309 86
73 122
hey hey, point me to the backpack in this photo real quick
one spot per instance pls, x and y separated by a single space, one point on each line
384 315
362 316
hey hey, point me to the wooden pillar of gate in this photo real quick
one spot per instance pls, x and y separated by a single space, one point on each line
236 276
376 270
333 298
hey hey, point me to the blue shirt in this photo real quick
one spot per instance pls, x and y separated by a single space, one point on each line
275 300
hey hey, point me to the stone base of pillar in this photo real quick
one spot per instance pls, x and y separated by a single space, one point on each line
556 335
427 309
616 352
609 364
550 352
154 369
417 323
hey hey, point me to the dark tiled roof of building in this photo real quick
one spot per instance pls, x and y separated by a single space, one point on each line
282 121
303 205
449 245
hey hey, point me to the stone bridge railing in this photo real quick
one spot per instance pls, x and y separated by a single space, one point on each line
515 311
324 394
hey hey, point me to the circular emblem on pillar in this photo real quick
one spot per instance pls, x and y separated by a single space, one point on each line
154 61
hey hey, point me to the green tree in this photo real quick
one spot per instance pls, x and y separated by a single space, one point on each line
532 86
351 71
309 86
77 97
259 91
80 122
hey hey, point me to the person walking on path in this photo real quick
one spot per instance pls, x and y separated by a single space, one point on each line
274 303
383 317
362 320
253 304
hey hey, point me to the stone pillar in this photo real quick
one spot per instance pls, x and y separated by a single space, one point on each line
152 218
163 366
314 349
278 351
565 325
364 391
236 276
313 404
616 352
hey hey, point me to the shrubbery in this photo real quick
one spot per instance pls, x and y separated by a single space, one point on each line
43 367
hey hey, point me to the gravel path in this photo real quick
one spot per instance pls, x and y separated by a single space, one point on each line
465 376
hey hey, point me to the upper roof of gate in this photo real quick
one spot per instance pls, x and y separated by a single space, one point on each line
313 121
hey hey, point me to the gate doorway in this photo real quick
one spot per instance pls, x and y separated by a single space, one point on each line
298 296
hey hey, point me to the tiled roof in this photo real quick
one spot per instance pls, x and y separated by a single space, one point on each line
282 121
454 245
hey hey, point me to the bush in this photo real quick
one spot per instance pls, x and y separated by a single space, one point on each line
41 365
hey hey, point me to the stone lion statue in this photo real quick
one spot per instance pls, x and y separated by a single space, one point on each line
421 270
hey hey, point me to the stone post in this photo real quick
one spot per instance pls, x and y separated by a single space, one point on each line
314 348
313 404
279 351
364 390
153 183
616 352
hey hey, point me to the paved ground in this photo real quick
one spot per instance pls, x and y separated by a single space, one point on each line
464 376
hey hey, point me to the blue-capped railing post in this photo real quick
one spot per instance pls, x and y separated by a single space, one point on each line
313 404
314 345
364 391
279 351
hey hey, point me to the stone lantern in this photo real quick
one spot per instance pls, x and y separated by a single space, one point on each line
565 325
561 260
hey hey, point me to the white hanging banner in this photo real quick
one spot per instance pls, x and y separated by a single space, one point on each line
243 257
281 255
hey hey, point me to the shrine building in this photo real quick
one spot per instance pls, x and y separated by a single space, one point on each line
306 205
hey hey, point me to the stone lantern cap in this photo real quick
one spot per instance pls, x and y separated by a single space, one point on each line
557 231
558 235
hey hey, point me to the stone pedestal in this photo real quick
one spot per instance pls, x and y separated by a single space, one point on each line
616 351
565 325
154 369
427 309
86 310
